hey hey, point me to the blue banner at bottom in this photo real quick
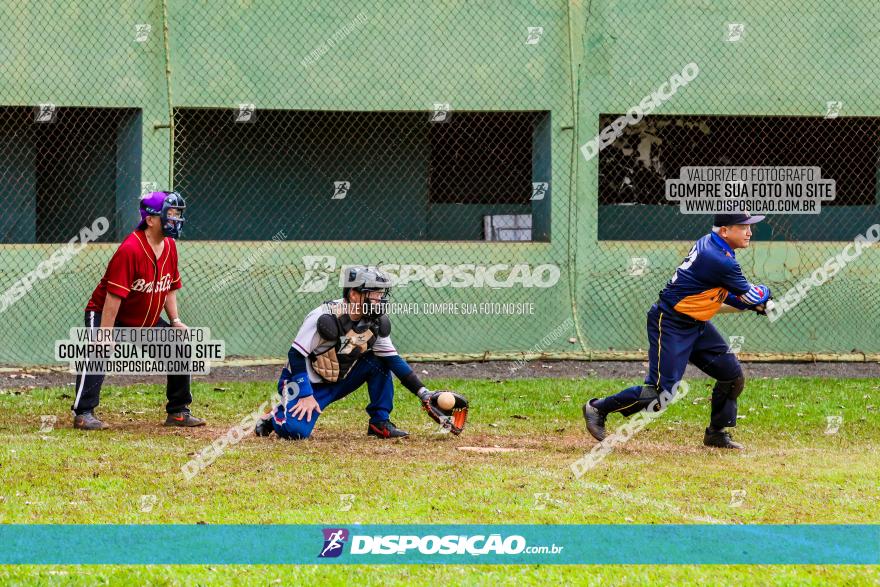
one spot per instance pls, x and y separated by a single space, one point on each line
433 544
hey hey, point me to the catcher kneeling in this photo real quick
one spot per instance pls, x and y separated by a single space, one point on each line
340 346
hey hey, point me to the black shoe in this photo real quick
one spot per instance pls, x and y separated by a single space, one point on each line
88 421
386 429
184 420
595 421
264 426
720 439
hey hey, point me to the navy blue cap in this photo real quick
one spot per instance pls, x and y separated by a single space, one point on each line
731 219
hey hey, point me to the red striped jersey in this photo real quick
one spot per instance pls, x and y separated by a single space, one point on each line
140 279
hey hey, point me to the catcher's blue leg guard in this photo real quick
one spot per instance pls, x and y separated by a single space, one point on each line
369 370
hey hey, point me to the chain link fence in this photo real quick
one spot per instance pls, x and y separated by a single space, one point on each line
777 85
442 141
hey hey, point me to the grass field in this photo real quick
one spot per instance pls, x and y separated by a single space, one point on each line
792 472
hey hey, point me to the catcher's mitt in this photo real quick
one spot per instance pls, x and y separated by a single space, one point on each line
453 419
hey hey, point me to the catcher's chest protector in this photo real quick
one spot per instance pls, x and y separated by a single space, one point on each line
333 361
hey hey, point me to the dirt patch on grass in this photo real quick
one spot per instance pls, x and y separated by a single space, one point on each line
488 449
31 378
144 425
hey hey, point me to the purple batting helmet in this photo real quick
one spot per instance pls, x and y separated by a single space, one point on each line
158 204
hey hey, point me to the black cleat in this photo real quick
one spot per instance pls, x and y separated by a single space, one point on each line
88 421
386 429
595 421
184 420
264 426
720 439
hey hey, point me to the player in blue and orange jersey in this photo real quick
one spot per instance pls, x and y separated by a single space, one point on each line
679 332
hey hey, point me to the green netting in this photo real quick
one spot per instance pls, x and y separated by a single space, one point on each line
309 136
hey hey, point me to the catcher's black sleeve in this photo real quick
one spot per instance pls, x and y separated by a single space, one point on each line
403 372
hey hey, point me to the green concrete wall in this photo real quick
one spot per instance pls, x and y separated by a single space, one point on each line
792 59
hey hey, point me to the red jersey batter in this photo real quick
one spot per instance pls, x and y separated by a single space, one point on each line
140 279
135 289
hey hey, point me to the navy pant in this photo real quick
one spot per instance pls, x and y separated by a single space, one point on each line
88 385
369 369
673 341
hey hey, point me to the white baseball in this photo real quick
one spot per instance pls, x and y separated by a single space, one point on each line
445 401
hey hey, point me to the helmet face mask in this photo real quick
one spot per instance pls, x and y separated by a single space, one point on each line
365 280
150 206
173 225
